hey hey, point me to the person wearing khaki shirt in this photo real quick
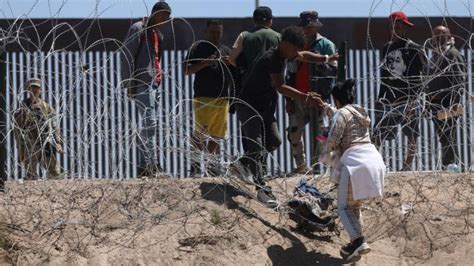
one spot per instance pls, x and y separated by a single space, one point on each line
36 134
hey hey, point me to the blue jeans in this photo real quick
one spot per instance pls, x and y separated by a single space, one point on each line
347 207
147 102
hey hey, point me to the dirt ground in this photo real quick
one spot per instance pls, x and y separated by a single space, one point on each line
212 221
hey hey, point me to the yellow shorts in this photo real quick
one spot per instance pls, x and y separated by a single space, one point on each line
210 116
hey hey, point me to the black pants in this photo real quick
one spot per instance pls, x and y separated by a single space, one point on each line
260 136
446 130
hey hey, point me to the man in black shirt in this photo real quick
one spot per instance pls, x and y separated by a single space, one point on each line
258 98
207 60
402 64
446 78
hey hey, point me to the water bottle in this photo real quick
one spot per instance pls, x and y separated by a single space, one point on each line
454 168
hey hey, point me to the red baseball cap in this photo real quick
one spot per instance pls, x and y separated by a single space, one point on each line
399 15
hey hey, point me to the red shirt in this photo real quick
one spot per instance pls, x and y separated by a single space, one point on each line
302 77
155 40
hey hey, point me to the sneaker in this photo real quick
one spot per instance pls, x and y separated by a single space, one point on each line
353 251
265 196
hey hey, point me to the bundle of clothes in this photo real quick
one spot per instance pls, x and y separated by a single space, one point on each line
311 209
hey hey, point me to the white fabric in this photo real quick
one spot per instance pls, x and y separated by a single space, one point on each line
367 170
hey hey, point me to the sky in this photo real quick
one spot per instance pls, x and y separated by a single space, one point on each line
231 8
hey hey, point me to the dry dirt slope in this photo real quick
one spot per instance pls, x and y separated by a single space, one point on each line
208 222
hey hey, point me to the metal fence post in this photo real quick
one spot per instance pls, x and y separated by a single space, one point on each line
341 62
3 119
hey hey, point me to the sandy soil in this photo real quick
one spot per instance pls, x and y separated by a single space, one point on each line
210 221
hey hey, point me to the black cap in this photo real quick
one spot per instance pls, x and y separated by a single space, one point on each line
161 6
262 13
309 18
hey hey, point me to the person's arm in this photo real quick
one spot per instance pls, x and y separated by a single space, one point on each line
278 82
128 52
459 70
236 49
194 64
329 68
313 58
190 68
457 76
55 128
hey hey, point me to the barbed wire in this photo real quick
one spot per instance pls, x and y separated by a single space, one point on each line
74 216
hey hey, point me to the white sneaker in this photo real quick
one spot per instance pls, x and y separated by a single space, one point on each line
265 196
